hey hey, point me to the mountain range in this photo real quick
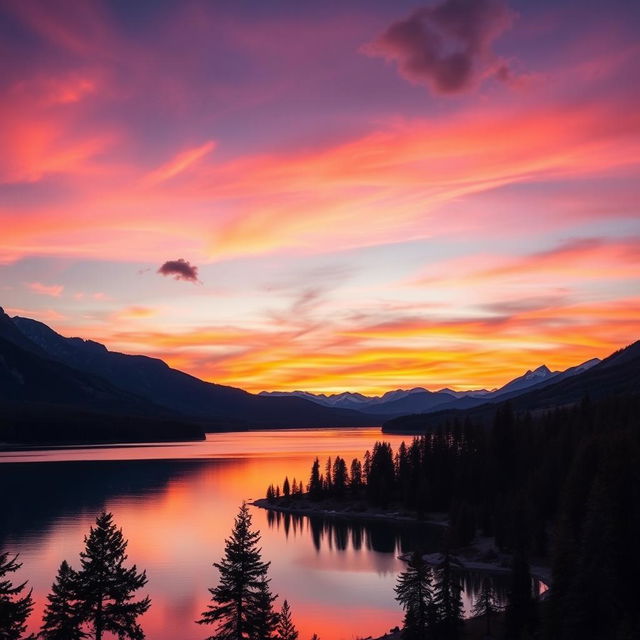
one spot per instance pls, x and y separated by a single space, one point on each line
42 371
615 376
420 400
54 388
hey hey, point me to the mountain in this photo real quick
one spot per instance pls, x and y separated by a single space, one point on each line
420 400
618 374
530 378
183 394
42 400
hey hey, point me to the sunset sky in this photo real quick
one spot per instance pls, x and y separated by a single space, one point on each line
325 195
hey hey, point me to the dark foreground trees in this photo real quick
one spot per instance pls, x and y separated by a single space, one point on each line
99 598
414 593
486 605
15 604
431 598
286 630
63 615
242 604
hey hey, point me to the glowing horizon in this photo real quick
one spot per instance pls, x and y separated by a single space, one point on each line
314 197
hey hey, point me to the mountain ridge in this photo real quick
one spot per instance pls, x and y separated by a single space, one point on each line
619 373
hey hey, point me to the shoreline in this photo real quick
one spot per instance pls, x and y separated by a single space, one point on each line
348 513
481 556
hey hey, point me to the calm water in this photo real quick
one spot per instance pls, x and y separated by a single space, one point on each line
176 504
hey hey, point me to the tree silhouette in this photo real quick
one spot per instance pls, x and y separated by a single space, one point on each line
521 611
14 607
105 586
62 615
241 602
340 477
264 619
414 593
286 630
315 482
486 604
447 599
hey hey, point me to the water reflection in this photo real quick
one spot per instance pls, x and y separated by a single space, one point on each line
176 505
388 538
342 534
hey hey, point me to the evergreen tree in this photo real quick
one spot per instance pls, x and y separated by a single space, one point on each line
286 629
14 607
340 477
264 619
447 599
241 603
328 479
63 614
286 488
355 482
366 466
105 587
315 481
521 611
380 483
414 593
486 604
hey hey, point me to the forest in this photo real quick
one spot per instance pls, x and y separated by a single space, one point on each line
562 485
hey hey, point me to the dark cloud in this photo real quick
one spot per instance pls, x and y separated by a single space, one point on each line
180 269
447 46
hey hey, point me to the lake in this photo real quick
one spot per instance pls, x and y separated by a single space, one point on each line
176 504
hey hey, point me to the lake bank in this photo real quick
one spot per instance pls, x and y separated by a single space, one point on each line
482 556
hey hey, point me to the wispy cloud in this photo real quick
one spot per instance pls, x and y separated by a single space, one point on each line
53 290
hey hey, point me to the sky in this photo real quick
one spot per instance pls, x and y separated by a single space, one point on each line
325 196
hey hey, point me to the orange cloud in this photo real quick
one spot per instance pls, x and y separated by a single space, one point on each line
433 351
402 179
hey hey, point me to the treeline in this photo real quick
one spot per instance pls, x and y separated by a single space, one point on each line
564 485
98 598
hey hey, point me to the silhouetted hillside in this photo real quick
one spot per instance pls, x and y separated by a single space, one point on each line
618 374
178 392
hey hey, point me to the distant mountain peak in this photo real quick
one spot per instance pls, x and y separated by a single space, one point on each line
542 369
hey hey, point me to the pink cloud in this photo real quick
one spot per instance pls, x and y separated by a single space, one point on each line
54 290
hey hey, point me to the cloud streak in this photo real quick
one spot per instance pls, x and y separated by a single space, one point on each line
53 290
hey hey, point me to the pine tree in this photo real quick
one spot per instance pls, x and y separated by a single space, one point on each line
105 587
286 629
486 604
340 477
447 599
264 619
315 481
239 603
62 616
414 593
355 483
328 479
286 488
14 607
521 613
